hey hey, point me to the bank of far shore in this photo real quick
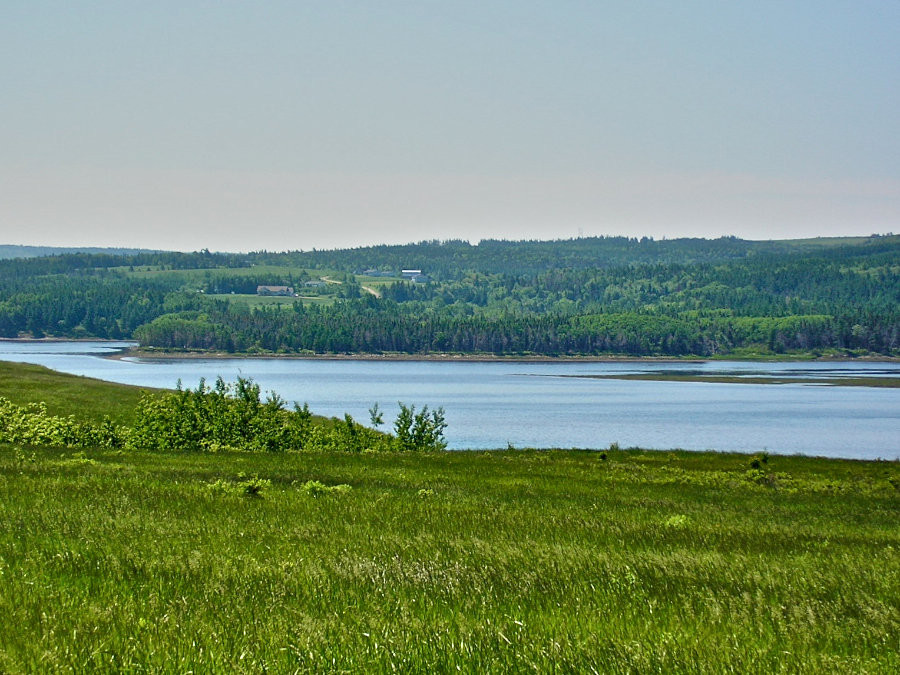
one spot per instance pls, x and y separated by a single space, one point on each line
500 358
151 353
158 353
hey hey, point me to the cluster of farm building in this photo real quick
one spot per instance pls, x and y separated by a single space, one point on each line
415 276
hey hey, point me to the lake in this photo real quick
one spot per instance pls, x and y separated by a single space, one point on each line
545 405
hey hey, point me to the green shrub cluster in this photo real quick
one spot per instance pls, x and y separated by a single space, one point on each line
420 431
224 417
315 488
248 487
235 417
32 425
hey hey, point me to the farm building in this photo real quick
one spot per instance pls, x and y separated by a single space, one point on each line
275 290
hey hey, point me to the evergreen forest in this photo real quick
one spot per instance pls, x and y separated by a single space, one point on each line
579 297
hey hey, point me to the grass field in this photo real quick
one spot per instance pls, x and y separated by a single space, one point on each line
458 562
85 398
474 562
194 277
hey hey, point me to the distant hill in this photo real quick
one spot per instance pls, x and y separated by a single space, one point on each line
12 251
587 296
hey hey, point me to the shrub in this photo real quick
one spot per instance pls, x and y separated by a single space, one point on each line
677 522
423 431
223 417
349 436
32 425
252 487
249 487
757 461
316 489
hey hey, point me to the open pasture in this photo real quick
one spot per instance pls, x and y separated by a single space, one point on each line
513 561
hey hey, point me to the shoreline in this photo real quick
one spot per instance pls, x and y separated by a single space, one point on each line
474 358
152 354
484 358
875 382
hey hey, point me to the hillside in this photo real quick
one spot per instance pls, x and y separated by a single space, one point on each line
15 251
591 296
84 397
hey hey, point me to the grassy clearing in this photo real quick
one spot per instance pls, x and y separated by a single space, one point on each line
85 398
377 281
198 275
453 562
260 300
828 242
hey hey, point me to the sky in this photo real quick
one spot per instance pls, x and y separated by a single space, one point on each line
240 126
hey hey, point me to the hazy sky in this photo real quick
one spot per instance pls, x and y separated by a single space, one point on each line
285 125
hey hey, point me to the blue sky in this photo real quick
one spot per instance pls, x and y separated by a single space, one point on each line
239 125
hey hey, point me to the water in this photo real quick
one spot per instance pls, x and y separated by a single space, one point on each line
495 404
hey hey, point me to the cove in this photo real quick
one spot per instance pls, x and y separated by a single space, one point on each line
493 404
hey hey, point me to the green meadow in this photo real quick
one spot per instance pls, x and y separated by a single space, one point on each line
513 561
85 398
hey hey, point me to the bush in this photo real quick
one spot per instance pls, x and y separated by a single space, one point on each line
349 436
224 417
253 487
32 425
423 431
316 489
757 461
249 487
234 417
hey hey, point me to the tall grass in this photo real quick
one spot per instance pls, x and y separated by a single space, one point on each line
89 400
450 562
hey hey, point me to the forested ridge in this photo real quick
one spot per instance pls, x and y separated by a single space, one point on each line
595 296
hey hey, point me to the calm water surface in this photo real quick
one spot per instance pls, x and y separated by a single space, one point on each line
491 405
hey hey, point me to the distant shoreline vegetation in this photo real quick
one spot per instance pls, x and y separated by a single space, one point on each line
790 357
603 297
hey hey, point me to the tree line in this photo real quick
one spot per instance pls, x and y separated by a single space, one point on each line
638 297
